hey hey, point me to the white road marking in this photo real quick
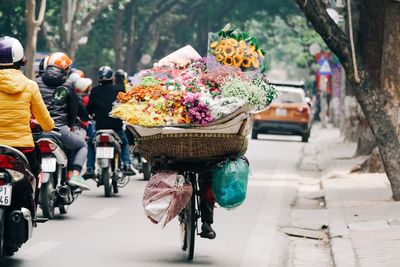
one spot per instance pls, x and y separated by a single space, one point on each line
39 249
105 213
262 240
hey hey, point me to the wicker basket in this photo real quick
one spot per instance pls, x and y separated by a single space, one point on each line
192 146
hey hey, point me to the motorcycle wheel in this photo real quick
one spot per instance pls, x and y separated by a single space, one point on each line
146 171
48 198
107 182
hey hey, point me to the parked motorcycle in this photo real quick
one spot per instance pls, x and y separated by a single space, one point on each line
108 171
17 207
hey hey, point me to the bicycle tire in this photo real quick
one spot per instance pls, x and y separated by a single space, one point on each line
192 220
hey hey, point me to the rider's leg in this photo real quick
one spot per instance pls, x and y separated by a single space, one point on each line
125 154
207 203
34 159
77 144
91 158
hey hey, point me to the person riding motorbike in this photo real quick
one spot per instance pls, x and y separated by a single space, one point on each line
65 114
100 104
20 99
121 79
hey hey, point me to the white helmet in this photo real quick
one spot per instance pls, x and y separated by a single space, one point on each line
74 77
11 52
83 84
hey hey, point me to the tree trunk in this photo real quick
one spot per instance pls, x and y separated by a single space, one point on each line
117 45
390 62
366 91
33 27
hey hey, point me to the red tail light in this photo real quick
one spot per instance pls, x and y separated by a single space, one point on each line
104 138
7 162
47 146
303 109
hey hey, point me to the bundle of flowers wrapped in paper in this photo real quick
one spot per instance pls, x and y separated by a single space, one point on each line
195 97
231 47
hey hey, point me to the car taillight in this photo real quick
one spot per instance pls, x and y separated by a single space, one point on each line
104 138
6 162
47 146
304 109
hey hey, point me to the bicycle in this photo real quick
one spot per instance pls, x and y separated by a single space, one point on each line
192 170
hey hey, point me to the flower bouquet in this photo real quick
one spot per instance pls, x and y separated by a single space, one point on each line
231 47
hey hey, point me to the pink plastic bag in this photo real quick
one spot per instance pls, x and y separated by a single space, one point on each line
165 196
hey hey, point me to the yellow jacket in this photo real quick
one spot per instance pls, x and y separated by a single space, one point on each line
19 99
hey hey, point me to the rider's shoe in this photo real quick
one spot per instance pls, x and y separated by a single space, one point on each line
79 182
128 170
89 174
207 231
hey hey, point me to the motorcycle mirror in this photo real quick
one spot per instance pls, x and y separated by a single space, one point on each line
60 94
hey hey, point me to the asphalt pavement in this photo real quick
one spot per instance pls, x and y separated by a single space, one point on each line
99 231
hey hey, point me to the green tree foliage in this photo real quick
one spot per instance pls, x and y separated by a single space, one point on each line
127 29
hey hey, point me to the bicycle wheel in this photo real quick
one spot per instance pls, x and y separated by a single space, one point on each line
188 222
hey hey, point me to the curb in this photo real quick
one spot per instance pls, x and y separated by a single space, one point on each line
341 247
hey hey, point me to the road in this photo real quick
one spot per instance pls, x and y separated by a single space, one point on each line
114 232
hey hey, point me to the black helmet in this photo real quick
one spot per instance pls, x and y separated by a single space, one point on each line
105 73
120 76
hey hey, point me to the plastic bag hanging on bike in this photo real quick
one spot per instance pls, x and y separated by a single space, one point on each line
229 182
165 196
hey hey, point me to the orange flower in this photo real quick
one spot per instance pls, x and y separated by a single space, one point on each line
242 44
232 41
237 60
213 44
240 51
255 63
229 50
246 62
228 61
219 57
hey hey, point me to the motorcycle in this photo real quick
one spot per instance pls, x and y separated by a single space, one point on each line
54 191
108 171
17 206
141 164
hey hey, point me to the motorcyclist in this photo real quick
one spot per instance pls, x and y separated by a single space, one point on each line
20 98
100 104
65 114
121 79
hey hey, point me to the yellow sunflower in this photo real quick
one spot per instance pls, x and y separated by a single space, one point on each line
255 63
219 48
252 48
246 63
242 44
228 61
229 50
240 51
223 42
232 41
219 57
213 45
237 60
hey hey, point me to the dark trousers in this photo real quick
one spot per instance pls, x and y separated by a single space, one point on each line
34 158
207 201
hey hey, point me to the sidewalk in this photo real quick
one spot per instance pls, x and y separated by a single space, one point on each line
363 221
